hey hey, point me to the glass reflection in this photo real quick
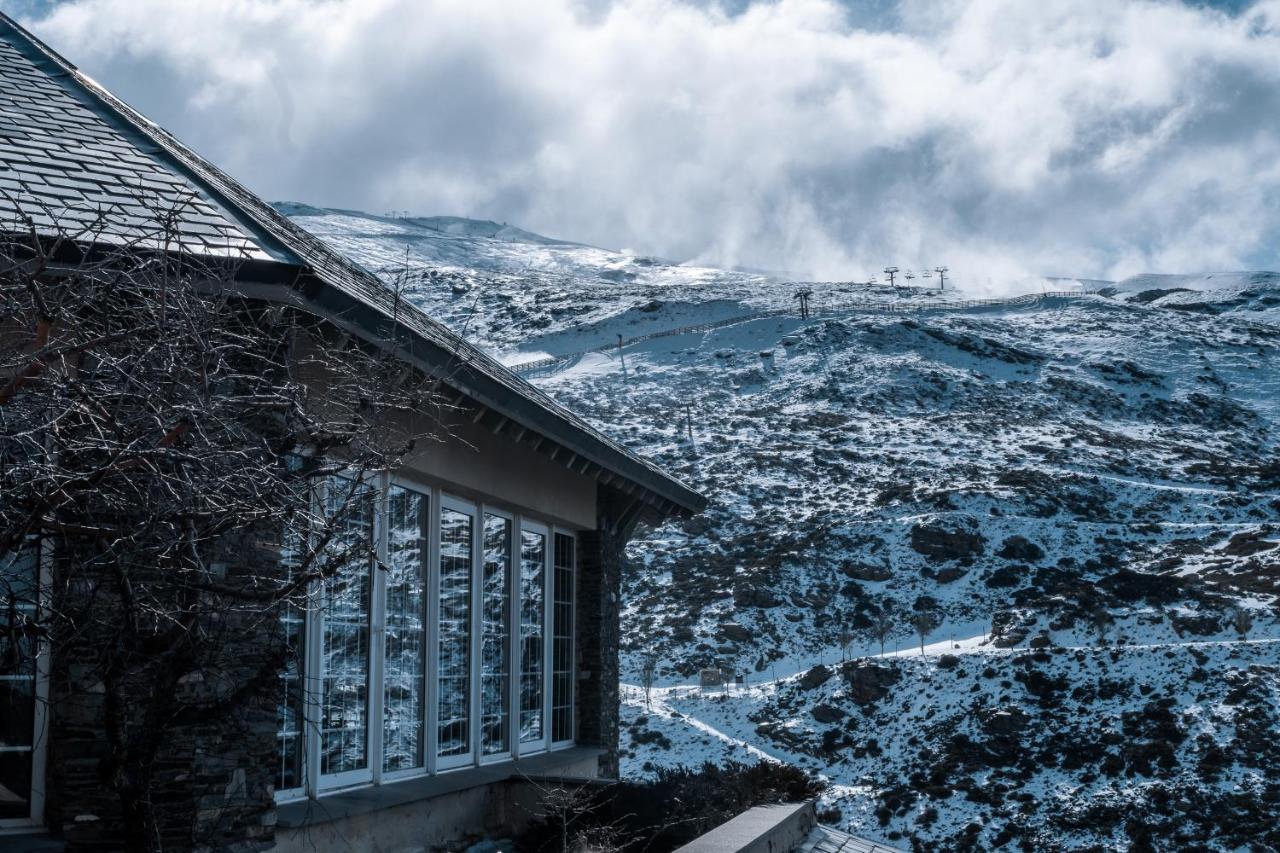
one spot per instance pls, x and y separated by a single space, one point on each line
344 718
495 636
454 733
404 643
533 558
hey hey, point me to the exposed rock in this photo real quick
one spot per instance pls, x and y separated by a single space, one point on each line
1005 721
938 542
735 632
870 572
827 713
869 682
815 677
751 595
1248 544
1201 624
1020 548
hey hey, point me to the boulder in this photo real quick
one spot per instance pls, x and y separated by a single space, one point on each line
869 682
815 677
751 595
870 572
1005 722
827 713
940 543
1021 549
735 632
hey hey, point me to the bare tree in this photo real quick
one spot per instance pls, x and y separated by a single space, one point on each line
846 640
882 624
924 622
646 679
160 438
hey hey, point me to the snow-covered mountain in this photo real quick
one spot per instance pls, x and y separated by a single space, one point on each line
1075 500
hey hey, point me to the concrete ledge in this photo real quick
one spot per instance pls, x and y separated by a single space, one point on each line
31 842
358 801
764 829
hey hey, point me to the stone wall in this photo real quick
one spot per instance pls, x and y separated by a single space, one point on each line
598 625
214 710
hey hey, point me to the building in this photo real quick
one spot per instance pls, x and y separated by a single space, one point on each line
525 499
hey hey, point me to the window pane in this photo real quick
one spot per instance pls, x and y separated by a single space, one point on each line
495 635
533 553
404 691
19 575
455 633
562 641
344 720
15 784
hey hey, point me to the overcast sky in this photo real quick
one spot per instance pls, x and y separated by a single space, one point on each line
1001 137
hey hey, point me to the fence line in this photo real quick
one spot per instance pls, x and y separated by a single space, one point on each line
830 309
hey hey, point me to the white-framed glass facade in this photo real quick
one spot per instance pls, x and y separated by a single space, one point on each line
442 618
404 680
454 634
345 633
23 689
533 620
564 565
495 635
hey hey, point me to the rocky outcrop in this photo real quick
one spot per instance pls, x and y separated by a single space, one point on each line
947 541
869 682
1021 549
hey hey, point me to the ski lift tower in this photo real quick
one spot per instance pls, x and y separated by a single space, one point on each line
891 272
942 277
908 275
803 296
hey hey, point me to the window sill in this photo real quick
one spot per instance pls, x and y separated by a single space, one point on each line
352 802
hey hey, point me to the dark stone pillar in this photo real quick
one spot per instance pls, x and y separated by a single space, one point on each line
598 626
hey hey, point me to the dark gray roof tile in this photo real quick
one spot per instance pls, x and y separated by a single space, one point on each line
76 161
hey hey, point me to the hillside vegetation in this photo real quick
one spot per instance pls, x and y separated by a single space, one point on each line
1073 506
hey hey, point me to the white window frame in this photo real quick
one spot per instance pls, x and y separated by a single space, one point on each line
40 693
468 758
432 498
573 643
512 615
438 499
318 782
535 747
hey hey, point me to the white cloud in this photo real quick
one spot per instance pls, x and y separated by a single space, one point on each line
1002 137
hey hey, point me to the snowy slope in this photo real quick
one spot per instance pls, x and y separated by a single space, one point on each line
1096 478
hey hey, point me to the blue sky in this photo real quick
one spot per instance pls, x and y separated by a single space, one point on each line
1004 138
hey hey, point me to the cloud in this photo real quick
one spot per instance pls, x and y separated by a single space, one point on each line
1003 138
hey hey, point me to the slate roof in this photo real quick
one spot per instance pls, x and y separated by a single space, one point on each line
69 148
60 163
